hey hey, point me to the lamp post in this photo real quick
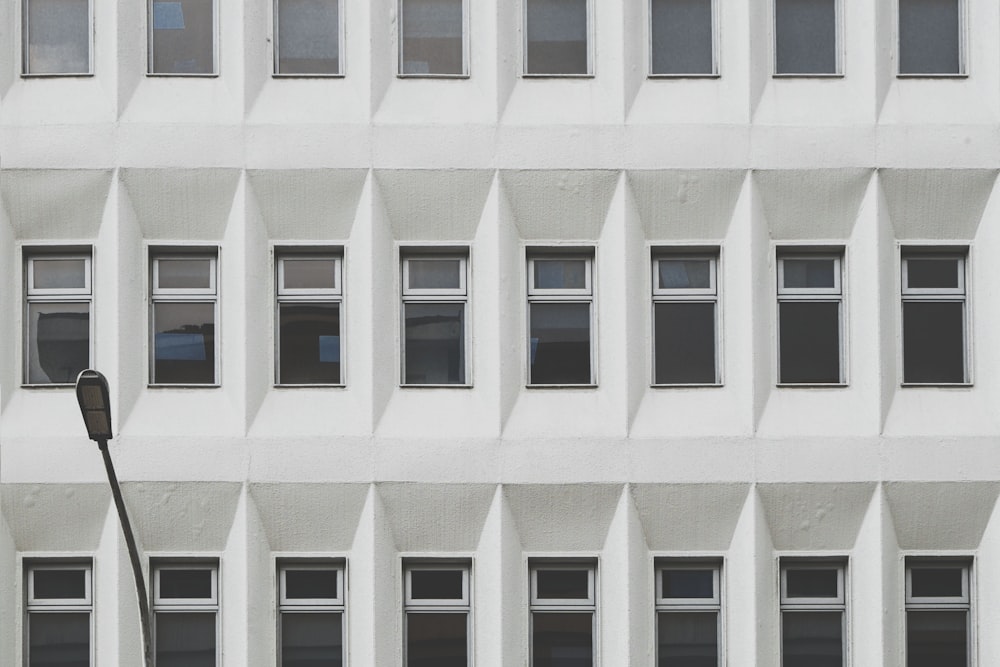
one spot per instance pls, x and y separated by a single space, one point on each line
95 404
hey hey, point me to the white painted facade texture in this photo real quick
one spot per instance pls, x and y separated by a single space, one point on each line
617 166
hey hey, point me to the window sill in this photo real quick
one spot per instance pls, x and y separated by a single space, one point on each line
58 75
706 385
560 386
433 76
276 75
526 75
49 385
816 75
669 77
811 385
309 386
436 386
954 75
936 385
183 386
178 75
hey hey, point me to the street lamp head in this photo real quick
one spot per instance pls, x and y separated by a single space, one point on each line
95 404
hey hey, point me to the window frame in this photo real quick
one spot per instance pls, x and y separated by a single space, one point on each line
439 606
550 605
30 605
964 603
25 44
212 604
963 47
30 294
215 46
286 605
591 47
466 50
839 48
716 604
275 55
807 604
714 74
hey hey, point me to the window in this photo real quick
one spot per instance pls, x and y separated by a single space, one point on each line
810 302
432 38
311 614
308 337
805 37
59 613
685 315
938 606
682 38
556 37
812 613
934 317
185 613
435 294
688 608
182 37
307 38
184 305
56 35
930 37
436 610
57 334
563 613
560 315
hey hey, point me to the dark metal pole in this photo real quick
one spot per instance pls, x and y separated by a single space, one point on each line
133 554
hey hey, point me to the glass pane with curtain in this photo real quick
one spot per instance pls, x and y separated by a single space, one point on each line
58 342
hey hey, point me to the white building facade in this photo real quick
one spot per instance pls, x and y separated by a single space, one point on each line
500 333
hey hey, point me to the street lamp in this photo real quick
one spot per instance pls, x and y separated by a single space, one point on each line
95 404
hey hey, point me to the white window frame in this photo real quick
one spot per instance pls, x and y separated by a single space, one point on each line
708 294
575 605
183 295
23 5
963 47
839 57
591 36
215 45
32 294
805 604
67 605
171 605
275 52
287 605
308 295
466 53
456 295
706 605
714 74
439 606
965 602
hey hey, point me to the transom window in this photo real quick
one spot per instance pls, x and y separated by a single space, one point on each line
806 37
688 612
307 38
557 38
813 607
810 312
436 609
935 321
938 612
310 301
311 613
560 319
59 608
563 612
185 613
435 321
182 37
682 38
685 318
433 38
57 37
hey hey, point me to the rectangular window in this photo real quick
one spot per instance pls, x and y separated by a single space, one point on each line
938 608
805 37
810 306
307 38
435 295
310 300
930 37
682 38
813 606
556 37
185 613
432 38
688 610
56 35
57 324
685 319
184 309
436 610
934 318
182 37
560 319
59 606
563 613
310 614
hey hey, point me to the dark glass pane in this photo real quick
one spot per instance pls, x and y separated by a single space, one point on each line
184 343
560 273
185 639
562 639
60 639
434 273
682 37
936 582
933 341
308 43
310 273
313 584
184 273
684 273
58 36
435 343
811 583
436 584
560 343
810 341
688 639
809 273
562 584
937 638
688 583
60 584
431 40
309 350
812 639
437 640
932 273
58 273
929 39
313 639
58 341
185 584
557 37
684 336
806 37
183 37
